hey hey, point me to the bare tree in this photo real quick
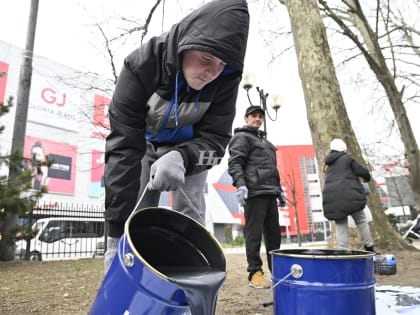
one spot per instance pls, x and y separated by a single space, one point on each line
289 181
355 25
326 110
87 81
132 27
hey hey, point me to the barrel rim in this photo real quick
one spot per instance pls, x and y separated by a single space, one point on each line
280 252
140 257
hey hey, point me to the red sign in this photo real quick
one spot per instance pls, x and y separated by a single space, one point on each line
4 68
97 173
100 111
60 175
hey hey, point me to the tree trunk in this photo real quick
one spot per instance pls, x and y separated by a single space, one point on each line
7 248
327 115
297 223
376 60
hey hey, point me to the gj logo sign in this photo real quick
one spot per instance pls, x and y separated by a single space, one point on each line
54 104
51 96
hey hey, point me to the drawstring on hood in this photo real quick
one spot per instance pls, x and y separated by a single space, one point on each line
196 98
176 98
174 101
196 101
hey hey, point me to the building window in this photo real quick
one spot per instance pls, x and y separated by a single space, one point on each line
310 165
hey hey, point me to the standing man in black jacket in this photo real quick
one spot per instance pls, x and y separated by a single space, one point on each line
253 167
171 113
344 194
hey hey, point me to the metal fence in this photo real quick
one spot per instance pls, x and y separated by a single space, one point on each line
62 231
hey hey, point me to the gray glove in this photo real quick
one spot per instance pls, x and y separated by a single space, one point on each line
168 172
282 200
366 188
242 195
111 250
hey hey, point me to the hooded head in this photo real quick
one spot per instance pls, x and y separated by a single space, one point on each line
219 27
338 145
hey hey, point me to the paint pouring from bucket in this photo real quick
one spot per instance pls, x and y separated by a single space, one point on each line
323 281
167 263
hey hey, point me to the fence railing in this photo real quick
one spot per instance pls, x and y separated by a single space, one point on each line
62 231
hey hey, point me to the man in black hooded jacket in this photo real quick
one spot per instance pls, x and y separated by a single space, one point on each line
253 167
171 113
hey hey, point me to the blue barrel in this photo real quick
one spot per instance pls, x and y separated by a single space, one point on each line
323 282
160 254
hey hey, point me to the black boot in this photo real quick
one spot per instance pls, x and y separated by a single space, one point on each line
370 249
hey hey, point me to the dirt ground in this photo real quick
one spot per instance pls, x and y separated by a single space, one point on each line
69 287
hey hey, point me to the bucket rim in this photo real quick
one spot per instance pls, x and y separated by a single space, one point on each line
140 257
293 253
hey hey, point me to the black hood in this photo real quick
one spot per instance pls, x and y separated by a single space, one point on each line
219 27
245 128
333 156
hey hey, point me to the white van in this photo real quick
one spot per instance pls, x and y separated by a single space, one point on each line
64 238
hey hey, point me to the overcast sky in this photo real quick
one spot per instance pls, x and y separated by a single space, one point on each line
65 34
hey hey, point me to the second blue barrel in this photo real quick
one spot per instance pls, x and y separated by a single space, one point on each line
323 282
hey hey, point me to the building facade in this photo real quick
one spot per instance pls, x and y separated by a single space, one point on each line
301 182
66 124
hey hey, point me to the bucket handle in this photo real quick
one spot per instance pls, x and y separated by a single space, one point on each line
295 270
129 258
147 187
136 207
189 201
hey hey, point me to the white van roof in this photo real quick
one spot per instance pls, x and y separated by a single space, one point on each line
70 219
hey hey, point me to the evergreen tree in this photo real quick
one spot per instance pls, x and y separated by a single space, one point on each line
17 198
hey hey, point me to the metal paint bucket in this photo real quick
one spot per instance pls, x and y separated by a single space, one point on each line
385 264
157 245
323 282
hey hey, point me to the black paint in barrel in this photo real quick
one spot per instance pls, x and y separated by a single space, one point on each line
184 251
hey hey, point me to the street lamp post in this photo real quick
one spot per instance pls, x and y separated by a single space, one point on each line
275 100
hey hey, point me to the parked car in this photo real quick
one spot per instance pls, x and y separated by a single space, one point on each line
64 238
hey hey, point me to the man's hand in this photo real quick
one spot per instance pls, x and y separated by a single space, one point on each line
366 188
282 200
242 195
168 172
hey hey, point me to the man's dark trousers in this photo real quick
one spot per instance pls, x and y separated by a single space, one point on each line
261 217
